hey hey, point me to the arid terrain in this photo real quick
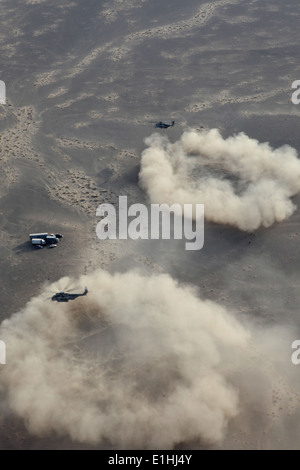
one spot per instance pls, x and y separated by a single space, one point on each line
170 348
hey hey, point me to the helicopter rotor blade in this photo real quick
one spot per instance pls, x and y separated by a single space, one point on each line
69 284
57 286
60 286
73 289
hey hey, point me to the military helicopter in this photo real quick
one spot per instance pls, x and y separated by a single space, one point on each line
66 296
163 125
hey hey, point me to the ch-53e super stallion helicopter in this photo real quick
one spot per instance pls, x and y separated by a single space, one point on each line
163 125
66 296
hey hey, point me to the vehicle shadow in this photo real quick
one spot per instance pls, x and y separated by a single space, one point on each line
25 248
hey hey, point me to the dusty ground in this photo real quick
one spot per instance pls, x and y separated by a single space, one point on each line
84 81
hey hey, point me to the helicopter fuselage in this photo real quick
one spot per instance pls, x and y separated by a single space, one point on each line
65 297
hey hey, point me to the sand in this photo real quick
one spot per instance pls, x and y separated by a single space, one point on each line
84 82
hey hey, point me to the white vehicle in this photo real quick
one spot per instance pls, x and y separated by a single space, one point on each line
51 239
44 238
38 241
38 235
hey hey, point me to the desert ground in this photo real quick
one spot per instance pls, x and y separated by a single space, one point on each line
85 81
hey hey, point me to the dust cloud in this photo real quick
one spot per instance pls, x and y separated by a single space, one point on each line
240 181
141 361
